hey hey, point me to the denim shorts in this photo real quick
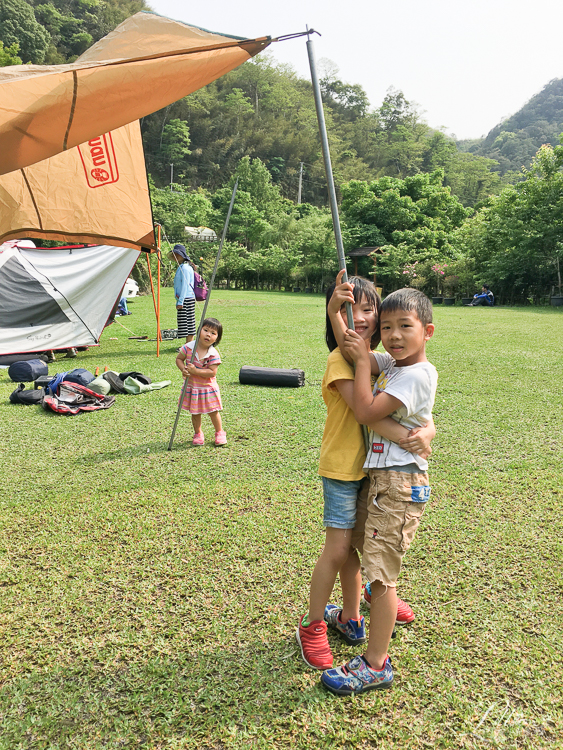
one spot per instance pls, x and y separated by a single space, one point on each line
340 502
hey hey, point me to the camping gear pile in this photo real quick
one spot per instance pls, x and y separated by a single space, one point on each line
75 391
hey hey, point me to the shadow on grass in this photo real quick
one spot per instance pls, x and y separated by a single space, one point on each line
136 702
160 446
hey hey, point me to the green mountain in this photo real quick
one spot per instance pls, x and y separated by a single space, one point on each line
513 142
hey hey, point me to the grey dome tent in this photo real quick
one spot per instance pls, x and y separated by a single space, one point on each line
61 297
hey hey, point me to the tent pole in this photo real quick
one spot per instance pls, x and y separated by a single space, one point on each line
158 334
153 294
204 311
328 170
330 185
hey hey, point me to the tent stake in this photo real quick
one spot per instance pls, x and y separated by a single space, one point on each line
205 304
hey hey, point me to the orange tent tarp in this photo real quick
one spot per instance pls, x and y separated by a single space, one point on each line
146 63
59 178
96 192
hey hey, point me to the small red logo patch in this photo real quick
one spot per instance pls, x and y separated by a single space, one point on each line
374 533
100 174
377 448
98 159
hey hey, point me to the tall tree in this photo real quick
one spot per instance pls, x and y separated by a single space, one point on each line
410 220
9 55
18 25
517 241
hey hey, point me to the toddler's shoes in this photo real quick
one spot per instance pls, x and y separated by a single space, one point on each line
221 438
198 438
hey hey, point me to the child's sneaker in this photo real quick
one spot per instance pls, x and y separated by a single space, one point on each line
357 676
221 438
198 438
353 631
314 644
404 612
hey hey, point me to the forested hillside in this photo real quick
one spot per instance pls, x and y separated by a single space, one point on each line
58 31
514 142
264 110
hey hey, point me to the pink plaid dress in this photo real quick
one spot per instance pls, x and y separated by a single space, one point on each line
202 394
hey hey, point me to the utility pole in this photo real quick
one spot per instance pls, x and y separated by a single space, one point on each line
171 176
300 182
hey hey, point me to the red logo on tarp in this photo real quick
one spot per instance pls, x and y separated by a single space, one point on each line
98 159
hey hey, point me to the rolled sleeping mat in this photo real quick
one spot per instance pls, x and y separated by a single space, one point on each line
9 359
272 376
26 370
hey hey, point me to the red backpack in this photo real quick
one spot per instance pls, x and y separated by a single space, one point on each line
72 398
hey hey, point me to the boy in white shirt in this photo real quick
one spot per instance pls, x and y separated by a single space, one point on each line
399 489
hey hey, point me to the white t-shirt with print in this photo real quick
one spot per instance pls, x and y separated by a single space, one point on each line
415 387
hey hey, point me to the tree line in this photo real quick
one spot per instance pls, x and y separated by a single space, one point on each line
420 233
443 216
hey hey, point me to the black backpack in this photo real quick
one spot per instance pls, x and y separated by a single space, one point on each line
32 396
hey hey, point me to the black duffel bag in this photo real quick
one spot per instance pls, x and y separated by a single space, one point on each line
271 376
32 396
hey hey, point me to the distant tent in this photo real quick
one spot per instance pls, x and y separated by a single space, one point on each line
60 297
200 234
98 191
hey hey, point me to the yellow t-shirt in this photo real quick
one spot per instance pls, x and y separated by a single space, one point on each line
343 449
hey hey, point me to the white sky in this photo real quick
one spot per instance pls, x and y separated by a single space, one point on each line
466 64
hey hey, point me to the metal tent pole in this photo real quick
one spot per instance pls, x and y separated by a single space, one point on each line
218 257
154 300
330 185
328 170
158 335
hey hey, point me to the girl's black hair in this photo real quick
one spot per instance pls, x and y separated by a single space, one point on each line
216 326
362 288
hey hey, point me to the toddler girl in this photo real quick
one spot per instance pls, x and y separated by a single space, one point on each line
341 468
202 392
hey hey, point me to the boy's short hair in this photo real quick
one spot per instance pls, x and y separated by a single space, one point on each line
411 300
214 324
362 288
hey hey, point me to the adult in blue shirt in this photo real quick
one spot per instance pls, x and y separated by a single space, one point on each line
485 297
184 291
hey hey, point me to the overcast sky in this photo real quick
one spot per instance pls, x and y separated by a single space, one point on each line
466 64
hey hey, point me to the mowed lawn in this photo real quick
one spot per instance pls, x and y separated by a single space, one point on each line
149 598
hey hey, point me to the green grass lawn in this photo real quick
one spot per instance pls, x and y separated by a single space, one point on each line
149 598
